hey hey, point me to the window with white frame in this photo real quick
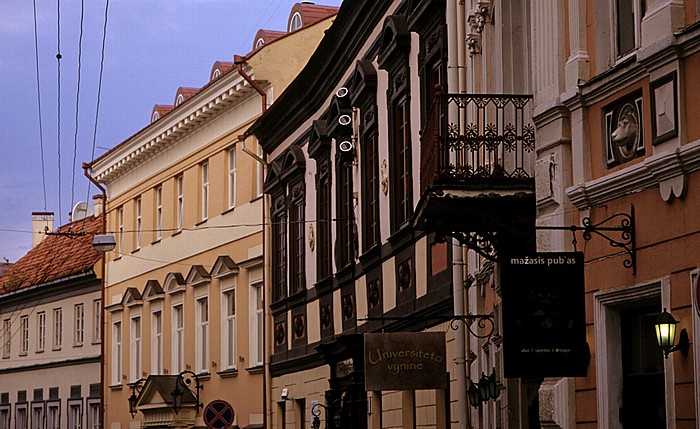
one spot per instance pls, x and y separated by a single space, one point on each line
204 173
157 342
202 339
75 415
178 339
259 171
139 222
135 349
96 321
40 331
4 417
93 417
232 177
628 18
117 353
159 212
256 325
79 324
21 416
180 200
6 338
38 416
228 345
24 335
296 22
120 231
53 416
57 328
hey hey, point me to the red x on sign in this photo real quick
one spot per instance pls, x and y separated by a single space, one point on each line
218 414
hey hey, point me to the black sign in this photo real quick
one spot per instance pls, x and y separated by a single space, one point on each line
405 361
218 415
543 304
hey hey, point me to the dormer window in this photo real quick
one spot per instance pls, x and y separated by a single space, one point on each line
155 117
295 23
216 74
259 43
180 100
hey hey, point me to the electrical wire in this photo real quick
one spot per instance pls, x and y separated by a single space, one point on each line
38 95
58 61
77 102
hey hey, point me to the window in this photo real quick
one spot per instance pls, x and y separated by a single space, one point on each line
296 239
75 415
629 17
157 342
120 231
279 252
93 415
54 417
79 324
117 353
370 185
202 339
159 212
323 223
259 43
22 419
401 160
345 213
179 100
135 349
4 417
259 171
229 324
137 207
180 200
6 337
178 340
96 321
256 323
204 171
296 22
41 331
57 328
38 416
24 335
232 177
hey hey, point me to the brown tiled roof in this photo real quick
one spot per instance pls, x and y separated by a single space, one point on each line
162 110
185 92
267 36
56 257
311 13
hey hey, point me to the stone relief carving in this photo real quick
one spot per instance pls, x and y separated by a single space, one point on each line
625 137
384 174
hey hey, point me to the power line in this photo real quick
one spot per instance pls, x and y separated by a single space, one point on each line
38 95
58 61
77 102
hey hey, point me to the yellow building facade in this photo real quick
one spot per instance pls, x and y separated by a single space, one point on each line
183 292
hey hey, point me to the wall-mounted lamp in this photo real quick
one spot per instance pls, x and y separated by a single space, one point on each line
665 327
134 398
316 422
185 379
487 388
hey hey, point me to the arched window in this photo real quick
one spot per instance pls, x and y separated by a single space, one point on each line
295 23
155 117
180 100
259 43
216 74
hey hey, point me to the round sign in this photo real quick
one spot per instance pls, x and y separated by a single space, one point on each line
218 415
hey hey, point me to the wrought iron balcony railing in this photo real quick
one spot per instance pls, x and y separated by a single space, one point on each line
477 136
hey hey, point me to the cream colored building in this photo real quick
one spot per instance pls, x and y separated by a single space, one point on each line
184 283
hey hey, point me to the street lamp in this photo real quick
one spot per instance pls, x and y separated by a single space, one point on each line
134 398
185 379
104 242
487 388
665 327
316 422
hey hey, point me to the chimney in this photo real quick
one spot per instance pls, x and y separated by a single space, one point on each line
41 223
97 204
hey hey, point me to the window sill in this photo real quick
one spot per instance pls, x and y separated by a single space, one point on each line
178 232
228 373
77 345
39 351
255 370
23 354
158 240
116 387
228 210
201 222
203 376
256 198
135 250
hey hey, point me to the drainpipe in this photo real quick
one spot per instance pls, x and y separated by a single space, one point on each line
239 62
103 284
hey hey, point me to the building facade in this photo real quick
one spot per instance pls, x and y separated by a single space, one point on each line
184 294
51 315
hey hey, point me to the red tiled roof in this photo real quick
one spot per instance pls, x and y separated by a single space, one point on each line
267 36
162 110
185 92
56 257
311 13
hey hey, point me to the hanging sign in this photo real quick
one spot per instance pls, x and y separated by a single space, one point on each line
543 307
405 361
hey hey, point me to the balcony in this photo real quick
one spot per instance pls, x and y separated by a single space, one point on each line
477 170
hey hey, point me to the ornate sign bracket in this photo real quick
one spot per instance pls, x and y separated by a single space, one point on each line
618 229
485 322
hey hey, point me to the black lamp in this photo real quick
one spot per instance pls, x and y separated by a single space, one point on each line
494 390
665 327
134 397
185 379
316 422
473 394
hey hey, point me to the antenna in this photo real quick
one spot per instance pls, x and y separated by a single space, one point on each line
81 211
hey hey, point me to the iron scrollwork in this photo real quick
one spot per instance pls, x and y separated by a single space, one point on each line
485 322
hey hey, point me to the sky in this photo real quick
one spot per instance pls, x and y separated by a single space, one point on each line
151 49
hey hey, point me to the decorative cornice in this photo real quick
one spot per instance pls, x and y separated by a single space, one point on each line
666 170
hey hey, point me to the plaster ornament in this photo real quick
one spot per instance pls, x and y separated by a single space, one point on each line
384 173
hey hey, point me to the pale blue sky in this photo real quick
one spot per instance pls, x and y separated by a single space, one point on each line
151 49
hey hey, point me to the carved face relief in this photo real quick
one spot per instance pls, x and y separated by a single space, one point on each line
384 174
625 137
